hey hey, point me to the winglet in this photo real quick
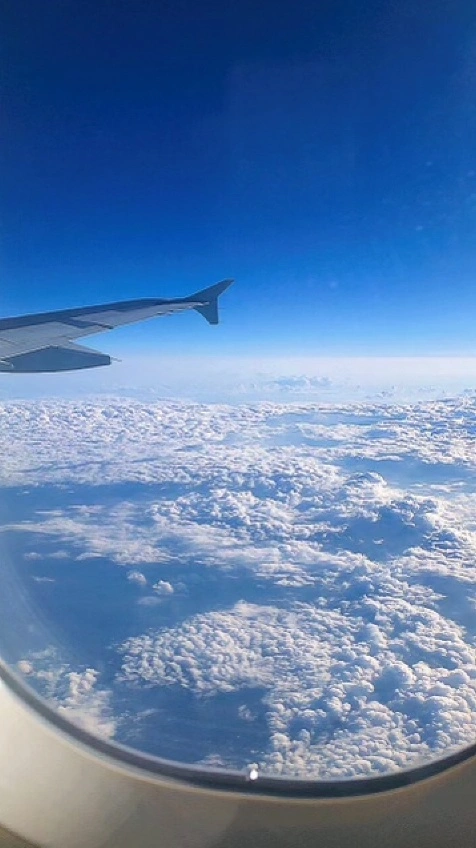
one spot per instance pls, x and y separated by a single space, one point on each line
208 300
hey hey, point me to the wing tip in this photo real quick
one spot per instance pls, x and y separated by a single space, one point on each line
208 299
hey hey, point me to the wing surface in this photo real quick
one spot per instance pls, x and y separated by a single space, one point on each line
24 337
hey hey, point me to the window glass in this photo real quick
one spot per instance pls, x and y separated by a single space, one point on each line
251 544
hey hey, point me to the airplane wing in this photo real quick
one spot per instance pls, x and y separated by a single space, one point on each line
47 341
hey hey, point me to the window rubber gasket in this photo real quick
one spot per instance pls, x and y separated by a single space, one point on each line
229 781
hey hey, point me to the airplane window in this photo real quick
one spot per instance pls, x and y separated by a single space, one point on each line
238 526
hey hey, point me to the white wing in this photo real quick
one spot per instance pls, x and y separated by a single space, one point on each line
46 341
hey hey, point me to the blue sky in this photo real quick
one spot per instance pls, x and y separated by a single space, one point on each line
320 153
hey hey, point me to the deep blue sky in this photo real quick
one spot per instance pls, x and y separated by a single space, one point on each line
323 153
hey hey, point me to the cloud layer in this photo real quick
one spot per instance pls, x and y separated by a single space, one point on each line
293 583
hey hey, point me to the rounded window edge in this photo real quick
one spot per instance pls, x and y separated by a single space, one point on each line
248 782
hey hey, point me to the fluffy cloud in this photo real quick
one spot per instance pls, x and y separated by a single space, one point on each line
137 577
163 587
77 694
321 555
344 695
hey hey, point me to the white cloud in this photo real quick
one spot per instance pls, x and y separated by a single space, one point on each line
137 577
343 698
76 694
346 531
163 587
290 386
